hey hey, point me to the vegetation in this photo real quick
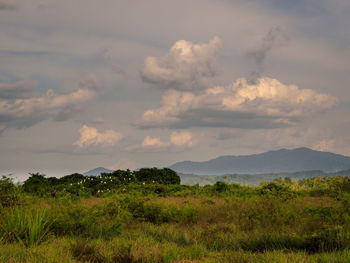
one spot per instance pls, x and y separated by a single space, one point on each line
256 179
147 216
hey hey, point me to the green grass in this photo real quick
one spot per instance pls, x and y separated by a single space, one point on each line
27 227
162 223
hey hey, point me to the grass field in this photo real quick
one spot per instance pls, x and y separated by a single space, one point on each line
282 221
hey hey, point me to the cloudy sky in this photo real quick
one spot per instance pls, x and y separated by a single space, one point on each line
125 84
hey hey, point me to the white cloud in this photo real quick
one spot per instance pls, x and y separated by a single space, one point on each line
268 103
21 107
179 141
187 66
90 136
8 5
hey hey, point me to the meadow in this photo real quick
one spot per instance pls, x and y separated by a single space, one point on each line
148 216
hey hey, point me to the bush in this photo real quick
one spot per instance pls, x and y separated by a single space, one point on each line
277 190
329 238
158 213
96 222
84 251
221 187
9 194
272 241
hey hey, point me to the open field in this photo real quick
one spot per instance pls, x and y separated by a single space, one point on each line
145 221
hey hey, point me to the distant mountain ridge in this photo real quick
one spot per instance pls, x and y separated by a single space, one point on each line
254 179
283 160
97 171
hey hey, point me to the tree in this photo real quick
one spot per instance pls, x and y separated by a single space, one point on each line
36 184
8 192
155 175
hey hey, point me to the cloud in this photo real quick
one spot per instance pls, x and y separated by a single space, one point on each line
43 4
179 141
98 120
265 104
91 137
19 90
275 37
186 66
19 107
91 82
8 5
106 53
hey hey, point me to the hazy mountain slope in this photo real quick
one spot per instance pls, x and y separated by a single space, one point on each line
300 159
97 171
254 179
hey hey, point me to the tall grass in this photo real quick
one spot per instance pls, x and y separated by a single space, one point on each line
221 223
25 226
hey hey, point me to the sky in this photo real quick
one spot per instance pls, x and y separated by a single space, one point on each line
129 84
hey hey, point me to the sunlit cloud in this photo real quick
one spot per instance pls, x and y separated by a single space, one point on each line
91 137
266 104
27 112
179 141
187 66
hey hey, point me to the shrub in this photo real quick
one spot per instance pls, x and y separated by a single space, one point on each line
329 238
9 195
95 222
221 187
158 213
271 241
84 251
277 190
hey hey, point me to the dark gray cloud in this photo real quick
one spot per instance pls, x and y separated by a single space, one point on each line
274 38
18 90
8 5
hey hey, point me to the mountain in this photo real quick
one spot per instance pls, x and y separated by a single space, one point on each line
254 179
283 160
97 171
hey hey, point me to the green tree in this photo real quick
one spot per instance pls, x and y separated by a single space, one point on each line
9 195
36 184
155 175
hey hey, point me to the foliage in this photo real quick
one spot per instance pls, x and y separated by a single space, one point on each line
80 185
111 218
154 175
36 184
277 190
9 194
89 222
25 226
84 251
221 187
